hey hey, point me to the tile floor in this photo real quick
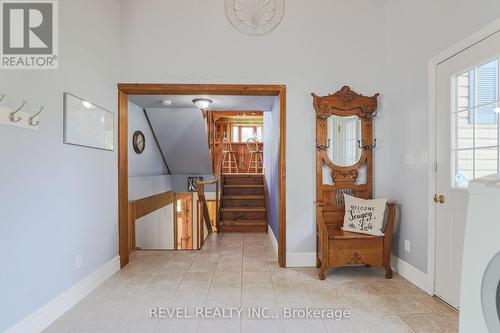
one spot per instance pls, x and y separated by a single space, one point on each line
241 271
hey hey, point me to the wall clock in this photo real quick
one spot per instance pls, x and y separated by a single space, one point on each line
138 142
255 17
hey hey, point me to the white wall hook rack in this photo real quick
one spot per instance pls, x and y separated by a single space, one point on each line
18 117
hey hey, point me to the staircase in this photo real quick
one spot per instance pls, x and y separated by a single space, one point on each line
243 203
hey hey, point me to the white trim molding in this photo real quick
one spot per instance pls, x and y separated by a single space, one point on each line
273 239
468 42
412 274
301 259
48 313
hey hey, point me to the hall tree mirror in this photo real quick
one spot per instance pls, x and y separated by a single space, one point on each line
343 134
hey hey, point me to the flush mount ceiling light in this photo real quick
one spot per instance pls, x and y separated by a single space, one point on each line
202 103
166 102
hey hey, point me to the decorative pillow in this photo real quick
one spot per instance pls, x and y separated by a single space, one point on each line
364 216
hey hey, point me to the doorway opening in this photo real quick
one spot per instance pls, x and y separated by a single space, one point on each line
186 231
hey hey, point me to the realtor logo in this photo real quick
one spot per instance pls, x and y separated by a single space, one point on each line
29 34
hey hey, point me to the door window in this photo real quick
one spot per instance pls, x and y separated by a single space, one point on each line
475 139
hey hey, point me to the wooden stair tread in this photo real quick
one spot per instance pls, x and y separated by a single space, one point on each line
243 222
243 186
259 175
243 209
243 197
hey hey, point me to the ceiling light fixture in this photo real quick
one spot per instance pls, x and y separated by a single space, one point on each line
202 103
167 102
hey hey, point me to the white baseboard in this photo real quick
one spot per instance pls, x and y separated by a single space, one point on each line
297 259
412 274
48 313
301 259
273 239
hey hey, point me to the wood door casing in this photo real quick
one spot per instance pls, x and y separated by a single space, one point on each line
126 89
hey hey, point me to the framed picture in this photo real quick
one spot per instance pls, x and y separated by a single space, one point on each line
88 125
193 183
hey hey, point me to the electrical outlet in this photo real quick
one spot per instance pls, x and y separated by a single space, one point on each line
407 245
78 261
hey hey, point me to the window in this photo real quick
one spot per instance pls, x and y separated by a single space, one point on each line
243 132
476 140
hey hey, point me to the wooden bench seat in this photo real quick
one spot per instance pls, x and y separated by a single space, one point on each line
335 233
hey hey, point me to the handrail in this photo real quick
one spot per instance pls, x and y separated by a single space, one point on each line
217 180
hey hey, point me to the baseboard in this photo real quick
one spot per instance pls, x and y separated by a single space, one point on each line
48 313
273 239
412 274
301 259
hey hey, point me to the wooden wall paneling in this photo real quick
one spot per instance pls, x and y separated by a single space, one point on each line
242 155
176 238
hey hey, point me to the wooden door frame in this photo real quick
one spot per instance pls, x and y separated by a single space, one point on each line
126 89
428 284
182 196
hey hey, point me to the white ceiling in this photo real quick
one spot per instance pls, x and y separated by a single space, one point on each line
220 102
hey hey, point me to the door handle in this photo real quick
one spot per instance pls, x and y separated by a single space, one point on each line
439 198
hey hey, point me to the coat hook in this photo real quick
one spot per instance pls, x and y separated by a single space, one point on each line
323 147
12 115
35 123
2 96
368 147
369 116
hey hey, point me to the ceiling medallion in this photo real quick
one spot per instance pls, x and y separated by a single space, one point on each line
255 17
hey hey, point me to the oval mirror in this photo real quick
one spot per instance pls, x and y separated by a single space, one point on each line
344 133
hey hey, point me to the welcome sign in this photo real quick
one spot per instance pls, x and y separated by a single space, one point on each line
364 216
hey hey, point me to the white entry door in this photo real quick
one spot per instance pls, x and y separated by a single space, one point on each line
467 92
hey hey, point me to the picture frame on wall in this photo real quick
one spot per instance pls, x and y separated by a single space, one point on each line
192 183
87 125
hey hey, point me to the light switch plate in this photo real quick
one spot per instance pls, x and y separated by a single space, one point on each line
407 245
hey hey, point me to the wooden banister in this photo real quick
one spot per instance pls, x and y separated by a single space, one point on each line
142 207
217 181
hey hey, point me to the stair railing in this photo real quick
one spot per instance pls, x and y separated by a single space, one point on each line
217 181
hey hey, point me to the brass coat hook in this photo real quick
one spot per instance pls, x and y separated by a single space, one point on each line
35 123
369 146
12 115
369 116
323 147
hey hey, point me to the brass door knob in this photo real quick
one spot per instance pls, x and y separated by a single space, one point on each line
439 198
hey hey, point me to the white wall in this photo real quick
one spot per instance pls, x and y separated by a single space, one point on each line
150 162
318 47
415 32
271 164
148 176
57 200
183 139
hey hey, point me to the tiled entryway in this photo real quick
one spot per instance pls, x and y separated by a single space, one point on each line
241 271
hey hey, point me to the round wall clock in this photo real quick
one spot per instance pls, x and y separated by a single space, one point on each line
139 142
255 17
